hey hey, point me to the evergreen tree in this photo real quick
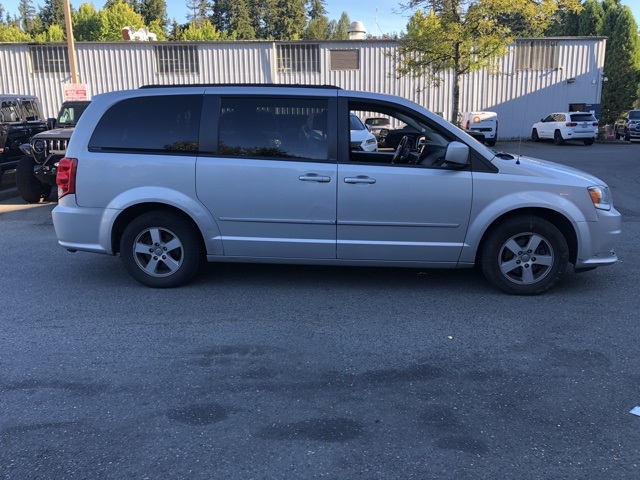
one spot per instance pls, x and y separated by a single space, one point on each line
318 26
52 13
2 22
339 30
241 26
175 31
622 64
27 16
316 9
292 19
590 19
200 33
153 11
270 15
197 11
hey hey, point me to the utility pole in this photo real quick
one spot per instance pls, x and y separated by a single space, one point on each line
70 44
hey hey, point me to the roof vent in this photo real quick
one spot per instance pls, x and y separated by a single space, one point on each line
356 31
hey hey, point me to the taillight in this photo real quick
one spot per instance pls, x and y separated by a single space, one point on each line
467 126
66 176
571 124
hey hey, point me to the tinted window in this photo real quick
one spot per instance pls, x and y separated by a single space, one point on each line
70 115
582 117
634 114
167 123
274 127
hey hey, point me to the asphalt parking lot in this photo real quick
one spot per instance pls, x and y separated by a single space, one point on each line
259 371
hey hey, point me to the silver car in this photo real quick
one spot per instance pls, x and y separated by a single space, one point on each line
166 177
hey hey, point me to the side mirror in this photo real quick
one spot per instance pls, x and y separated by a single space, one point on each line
51 123
457 153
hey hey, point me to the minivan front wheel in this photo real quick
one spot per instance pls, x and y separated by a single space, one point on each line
524 256
161 249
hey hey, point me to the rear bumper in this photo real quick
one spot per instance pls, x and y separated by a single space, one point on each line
82 228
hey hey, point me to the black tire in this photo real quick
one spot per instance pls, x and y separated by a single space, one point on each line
589 141
177 244
534 135
557 138
627 137
493 141
29 187
527 271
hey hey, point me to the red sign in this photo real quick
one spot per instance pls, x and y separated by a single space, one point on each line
75 91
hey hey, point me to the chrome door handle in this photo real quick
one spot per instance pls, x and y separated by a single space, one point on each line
312 177
359 179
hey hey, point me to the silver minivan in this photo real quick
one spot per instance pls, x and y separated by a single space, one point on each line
167 177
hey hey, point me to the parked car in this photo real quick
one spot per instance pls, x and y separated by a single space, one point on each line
377 125
563 126
628 127
36 170
20 119
361 137
166 202
485 123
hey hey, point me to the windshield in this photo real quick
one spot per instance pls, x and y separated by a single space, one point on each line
377 121
70 114
634 114
355 123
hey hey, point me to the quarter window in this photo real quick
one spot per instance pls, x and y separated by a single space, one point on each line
274 128
9 111
166 124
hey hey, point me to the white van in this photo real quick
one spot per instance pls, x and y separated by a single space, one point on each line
483 122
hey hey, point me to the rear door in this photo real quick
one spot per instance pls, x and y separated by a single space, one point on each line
269 178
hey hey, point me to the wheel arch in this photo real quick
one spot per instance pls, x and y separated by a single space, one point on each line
557 219
128 214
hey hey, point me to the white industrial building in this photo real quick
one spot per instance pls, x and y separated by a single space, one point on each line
538 76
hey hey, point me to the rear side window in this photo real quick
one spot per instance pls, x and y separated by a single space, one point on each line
163 124
283 128
9 111
582 117
31 111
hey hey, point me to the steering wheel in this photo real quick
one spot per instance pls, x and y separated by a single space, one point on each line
402 151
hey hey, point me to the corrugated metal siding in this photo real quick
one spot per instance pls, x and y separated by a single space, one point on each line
519 97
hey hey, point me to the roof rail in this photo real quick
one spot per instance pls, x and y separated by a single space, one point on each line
281 85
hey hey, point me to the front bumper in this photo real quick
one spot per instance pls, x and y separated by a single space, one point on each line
598 240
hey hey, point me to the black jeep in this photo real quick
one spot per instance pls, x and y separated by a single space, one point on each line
20 119
36 172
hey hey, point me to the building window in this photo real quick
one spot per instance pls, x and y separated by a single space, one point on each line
345 59
298 58
177 59
537 55
49 59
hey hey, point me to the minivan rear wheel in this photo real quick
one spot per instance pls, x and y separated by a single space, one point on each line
524 256
161 249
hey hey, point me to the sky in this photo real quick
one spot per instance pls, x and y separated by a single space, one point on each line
378 16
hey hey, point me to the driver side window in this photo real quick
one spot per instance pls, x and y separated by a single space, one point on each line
382 134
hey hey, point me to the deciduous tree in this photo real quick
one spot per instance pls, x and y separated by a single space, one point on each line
461 36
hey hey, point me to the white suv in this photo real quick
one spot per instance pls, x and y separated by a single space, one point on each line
567 126
169 177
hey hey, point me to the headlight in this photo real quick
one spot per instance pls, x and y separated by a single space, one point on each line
601 197
38 146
